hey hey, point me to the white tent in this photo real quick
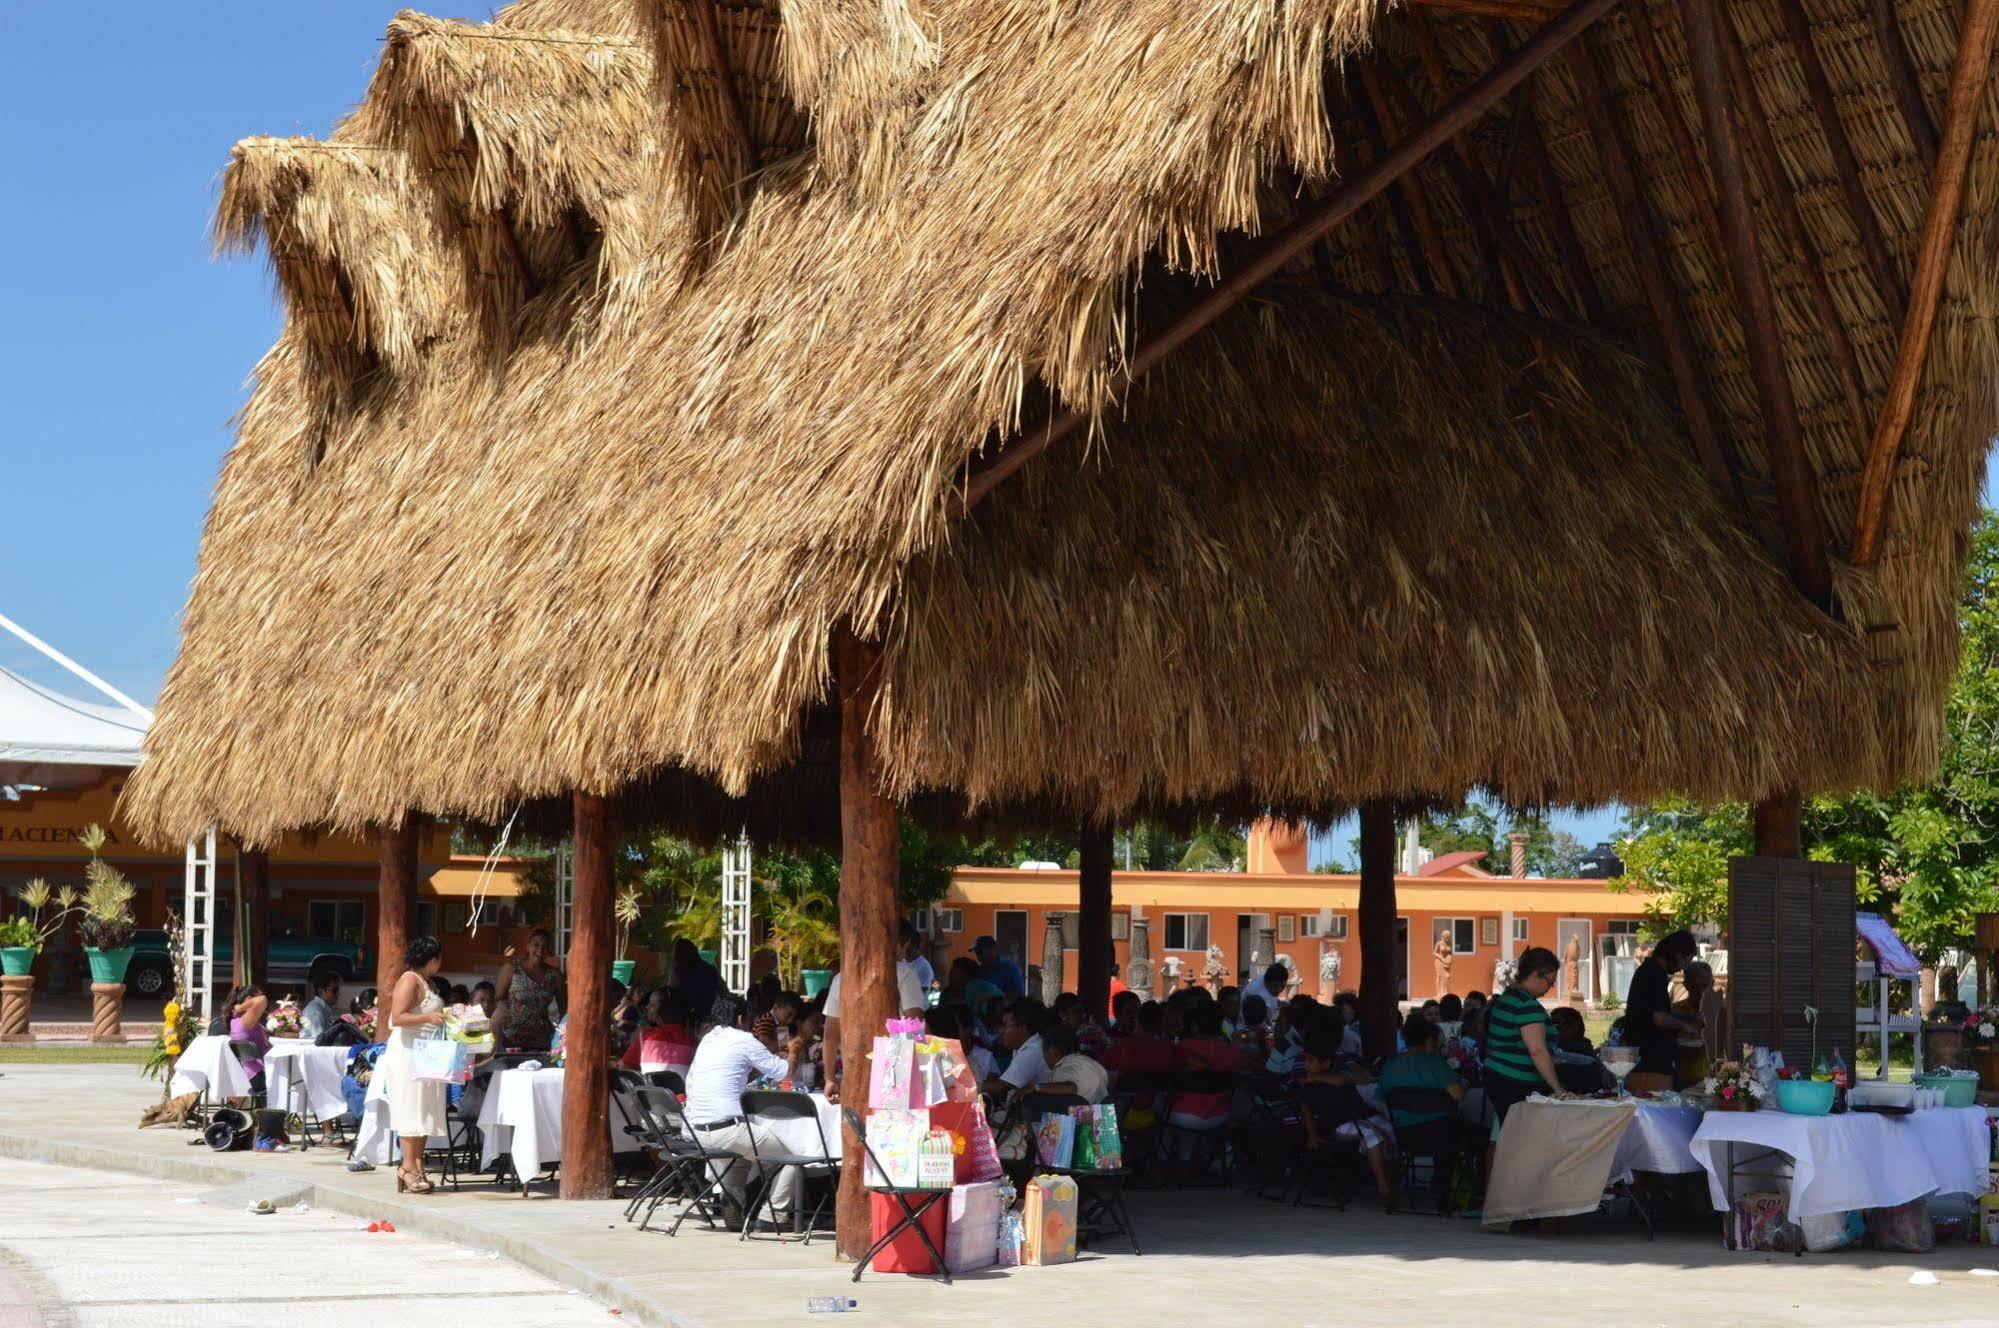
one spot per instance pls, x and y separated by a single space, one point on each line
51 740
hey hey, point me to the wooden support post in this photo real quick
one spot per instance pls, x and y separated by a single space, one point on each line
253 885
1790 467
1095 955
1676 337
1779 823
395 905
1967 93
1880 260
586 1078
1276 252
869 857
1779 196
1379 965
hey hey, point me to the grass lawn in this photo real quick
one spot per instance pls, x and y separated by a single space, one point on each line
30 1054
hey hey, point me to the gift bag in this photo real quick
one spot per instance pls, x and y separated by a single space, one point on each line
896 1138
906 1253
972 1228
975 1155
1760 1224
893 1081
937 1161
1012 1245
947 1074
1085 1158
440 1060
1109 1142
1049 1220
1055 1141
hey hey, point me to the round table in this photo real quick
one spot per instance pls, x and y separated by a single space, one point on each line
207 1066
522 1116
301 1076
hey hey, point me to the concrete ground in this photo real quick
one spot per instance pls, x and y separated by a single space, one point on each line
101 1249
1205 1251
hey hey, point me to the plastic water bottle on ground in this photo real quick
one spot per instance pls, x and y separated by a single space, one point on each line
831 1305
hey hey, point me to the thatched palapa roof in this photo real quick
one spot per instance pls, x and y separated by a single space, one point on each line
1421 514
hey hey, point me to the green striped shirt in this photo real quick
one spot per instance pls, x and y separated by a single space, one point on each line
1505 1050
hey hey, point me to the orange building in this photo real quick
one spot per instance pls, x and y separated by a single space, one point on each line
1310 916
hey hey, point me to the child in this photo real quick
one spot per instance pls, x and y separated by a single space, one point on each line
1069 1070
1329 1107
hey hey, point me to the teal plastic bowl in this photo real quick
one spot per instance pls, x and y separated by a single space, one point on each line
1805 1097
1959 1090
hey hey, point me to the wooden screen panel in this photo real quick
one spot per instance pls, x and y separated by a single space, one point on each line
1790 944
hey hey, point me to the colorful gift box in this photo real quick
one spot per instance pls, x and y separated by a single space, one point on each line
936 1161
1055 1140
972 1229
1049 1221
896 1139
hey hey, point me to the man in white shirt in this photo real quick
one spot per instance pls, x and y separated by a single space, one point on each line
323 1010
724 1063
1020 1032
908 990
912 954
1071 1071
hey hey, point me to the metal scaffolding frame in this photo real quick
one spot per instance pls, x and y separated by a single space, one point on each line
736 915
198 912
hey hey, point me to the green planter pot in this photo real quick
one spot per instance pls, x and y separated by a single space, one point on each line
816 980
16 961
108 965
621 970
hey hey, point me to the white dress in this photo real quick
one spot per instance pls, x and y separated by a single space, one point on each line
416 1106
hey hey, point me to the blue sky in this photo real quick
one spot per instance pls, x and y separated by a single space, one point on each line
127 345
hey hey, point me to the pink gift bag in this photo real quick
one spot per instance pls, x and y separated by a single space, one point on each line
894 1080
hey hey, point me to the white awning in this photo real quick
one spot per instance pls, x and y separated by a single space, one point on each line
57 741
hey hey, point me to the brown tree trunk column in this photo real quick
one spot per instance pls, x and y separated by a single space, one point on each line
396 904
1095 955
870 854
253 883
1779 821
586 1071
1378 967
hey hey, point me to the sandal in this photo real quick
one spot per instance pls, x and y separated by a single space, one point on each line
421 1185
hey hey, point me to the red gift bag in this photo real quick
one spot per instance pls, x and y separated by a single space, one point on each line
979 1159
905 1254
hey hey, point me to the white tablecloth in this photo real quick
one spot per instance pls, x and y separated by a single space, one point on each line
1658 1139
1855 1160
374 1141
208 1067
298 1075
522 1115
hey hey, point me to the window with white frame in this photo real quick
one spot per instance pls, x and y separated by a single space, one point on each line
949 919
1308 925
1520 929
1623 926
1462 931
1186 931
1336 927
1287 927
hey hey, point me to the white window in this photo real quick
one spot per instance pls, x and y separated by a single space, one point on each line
1186 931
1336 927
1462 931
950 919
1519 929
1287 927
1308 925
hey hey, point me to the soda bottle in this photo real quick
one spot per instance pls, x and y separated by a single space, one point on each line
1821 1069
831 1305
1841 1080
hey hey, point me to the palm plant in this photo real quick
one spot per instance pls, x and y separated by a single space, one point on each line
37 896
107 899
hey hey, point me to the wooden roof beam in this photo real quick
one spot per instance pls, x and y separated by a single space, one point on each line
1790 467
1415 200
1903 79
1524 11
1646 37
1669 316
1968 77
1279 249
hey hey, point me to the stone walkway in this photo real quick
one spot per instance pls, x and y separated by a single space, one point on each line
1205 1251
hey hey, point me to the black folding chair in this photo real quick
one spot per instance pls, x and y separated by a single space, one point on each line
686 1169
912 1214
1327 1172
761 1107
1142 1090
1100 1206
1438 1144
670 1080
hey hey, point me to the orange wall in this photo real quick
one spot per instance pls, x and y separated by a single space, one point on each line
981 893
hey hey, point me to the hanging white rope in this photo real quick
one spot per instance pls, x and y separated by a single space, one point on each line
486 868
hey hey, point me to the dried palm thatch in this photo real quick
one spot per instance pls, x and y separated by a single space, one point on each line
630 557
531 186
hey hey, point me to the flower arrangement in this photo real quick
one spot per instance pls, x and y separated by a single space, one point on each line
1735 1085
1461 1054
363 1020
1981 1026
283 1020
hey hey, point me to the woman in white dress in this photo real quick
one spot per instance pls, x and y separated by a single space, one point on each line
416 1106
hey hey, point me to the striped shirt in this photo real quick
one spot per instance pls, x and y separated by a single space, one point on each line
1505 1051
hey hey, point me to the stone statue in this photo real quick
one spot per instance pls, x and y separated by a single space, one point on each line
1442 953
1138 974
1572 966
1169 975
1214 972
1505 972
1051 959
1329 969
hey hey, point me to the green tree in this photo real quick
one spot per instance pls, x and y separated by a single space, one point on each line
1483 826
1676 855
